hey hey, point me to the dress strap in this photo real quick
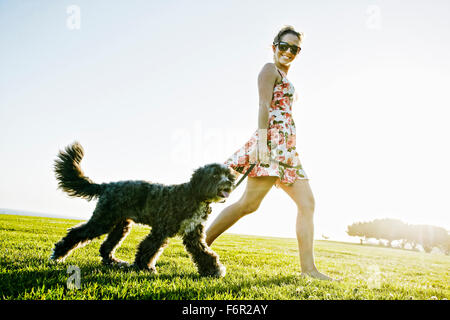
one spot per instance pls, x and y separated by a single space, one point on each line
282 76
280 72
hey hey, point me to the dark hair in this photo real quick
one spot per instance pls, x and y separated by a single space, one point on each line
285 30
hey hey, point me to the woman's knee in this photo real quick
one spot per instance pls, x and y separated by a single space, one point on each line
247 207
307 206
257 188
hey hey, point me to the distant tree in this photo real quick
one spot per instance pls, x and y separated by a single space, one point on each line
403 243
390 230
412 236
358 229
445 247
393 229
380 229
430 236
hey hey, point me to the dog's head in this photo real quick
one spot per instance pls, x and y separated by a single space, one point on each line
213 182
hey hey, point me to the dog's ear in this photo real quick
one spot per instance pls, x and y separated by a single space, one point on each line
195 175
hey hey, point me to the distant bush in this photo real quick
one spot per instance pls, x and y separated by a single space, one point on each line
392 229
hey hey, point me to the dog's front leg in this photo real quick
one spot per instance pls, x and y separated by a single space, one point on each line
206 260
149 251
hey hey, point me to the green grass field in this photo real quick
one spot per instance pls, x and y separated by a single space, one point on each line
257 268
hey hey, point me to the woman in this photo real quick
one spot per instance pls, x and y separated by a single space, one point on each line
272 148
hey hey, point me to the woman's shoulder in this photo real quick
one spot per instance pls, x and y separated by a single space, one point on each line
269 67
270 71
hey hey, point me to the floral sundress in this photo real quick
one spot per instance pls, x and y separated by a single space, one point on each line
284 163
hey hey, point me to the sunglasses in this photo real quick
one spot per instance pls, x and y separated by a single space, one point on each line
284 46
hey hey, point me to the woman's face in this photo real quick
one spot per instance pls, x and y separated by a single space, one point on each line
286 57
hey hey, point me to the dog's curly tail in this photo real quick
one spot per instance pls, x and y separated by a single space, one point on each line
71 178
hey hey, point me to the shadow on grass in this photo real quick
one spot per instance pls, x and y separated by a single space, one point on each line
49 280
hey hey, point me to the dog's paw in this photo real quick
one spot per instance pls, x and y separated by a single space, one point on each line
218 272
54 259
221 272
149 269
116 263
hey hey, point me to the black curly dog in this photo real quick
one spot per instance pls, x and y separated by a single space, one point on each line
169 209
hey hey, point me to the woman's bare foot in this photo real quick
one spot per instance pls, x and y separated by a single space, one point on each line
317 275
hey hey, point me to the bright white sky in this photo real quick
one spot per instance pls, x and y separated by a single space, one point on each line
155 89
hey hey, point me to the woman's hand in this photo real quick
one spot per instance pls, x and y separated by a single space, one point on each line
263 151
258 154
253 155
264 155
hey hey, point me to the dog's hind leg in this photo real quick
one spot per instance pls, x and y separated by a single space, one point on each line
78 236
206 260
149 251
115 237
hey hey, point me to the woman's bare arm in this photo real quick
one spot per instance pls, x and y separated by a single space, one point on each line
266 81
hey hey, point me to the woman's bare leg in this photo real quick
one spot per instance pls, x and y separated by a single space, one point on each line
256 190
300 192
